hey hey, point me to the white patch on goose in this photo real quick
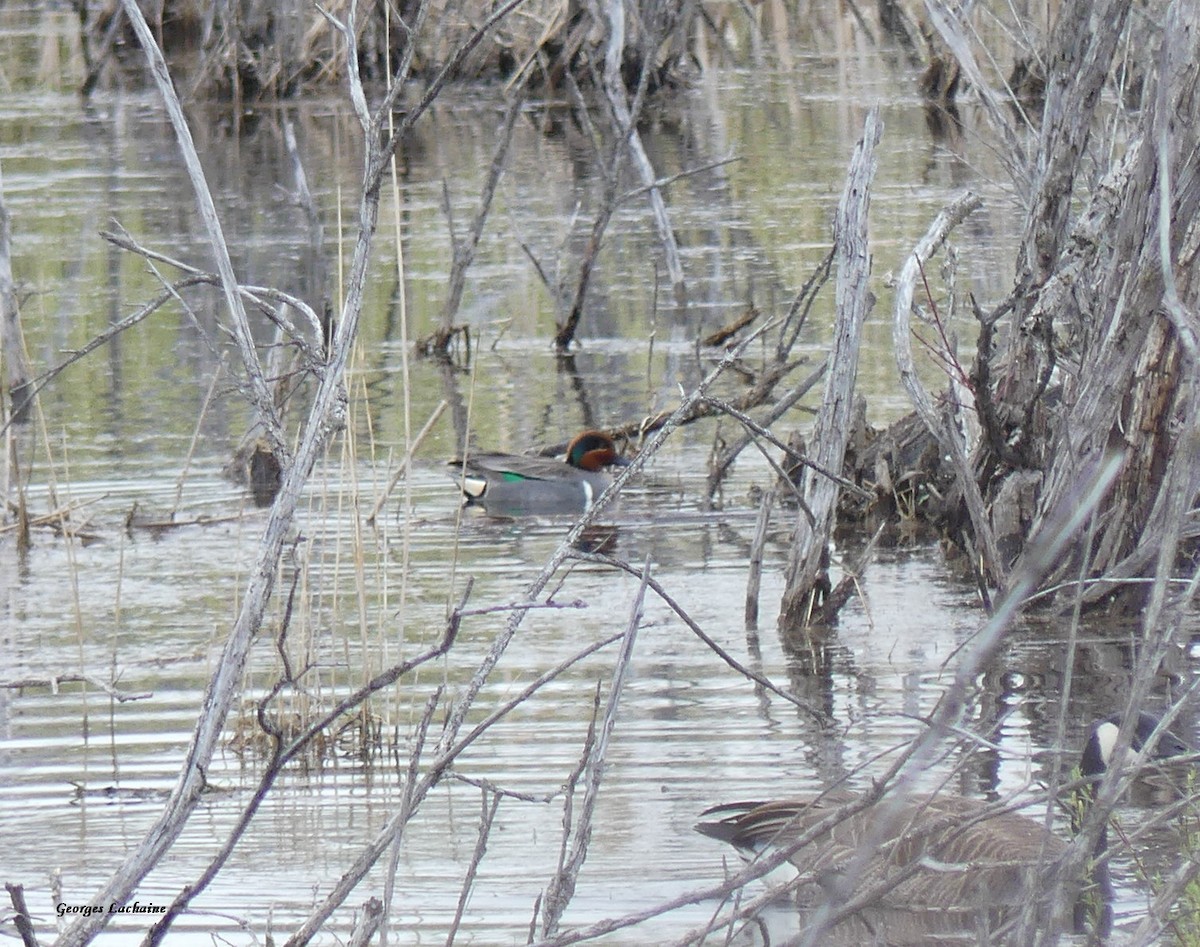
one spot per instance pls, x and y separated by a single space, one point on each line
1106 740
779 877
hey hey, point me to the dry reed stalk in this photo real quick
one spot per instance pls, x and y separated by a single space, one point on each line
406 461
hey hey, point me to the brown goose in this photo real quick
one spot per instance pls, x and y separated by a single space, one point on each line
944 853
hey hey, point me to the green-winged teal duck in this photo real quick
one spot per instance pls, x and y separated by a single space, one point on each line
967 859
523 485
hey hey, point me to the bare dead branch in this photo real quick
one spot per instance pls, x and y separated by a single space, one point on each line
487 816
263 403
20 916
808 556
416 789
817 714
944 428
55 682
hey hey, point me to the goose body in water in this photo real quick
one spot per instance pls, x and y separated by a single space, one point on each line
943 853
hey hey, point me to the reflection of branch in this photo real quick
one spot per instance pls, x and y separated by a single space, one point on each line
316 232
463 251
661 184
377 166
626 120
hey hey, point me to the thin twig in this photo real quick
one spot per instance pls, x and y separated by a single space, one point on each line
562 886
486 818
818 715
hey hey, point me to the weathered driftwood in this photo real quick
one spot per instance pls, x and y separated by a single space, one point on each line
910 488
1095 349
1093 304
1082 43
808 560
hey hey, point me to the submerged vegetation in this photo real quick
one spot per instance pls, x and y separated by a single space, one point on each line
1056 459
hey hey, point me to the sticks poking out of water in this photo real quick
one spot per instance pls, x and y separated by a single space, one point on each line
438 345
808 558
945 428
591 767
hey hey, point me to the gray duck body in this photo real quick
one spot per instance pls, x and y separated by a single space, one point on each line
512 485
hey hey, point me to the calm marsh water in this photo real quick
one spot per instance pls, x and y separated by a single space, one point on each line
140 427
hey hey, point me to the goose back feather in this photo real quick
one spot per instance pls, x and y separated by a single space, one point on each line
940 852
